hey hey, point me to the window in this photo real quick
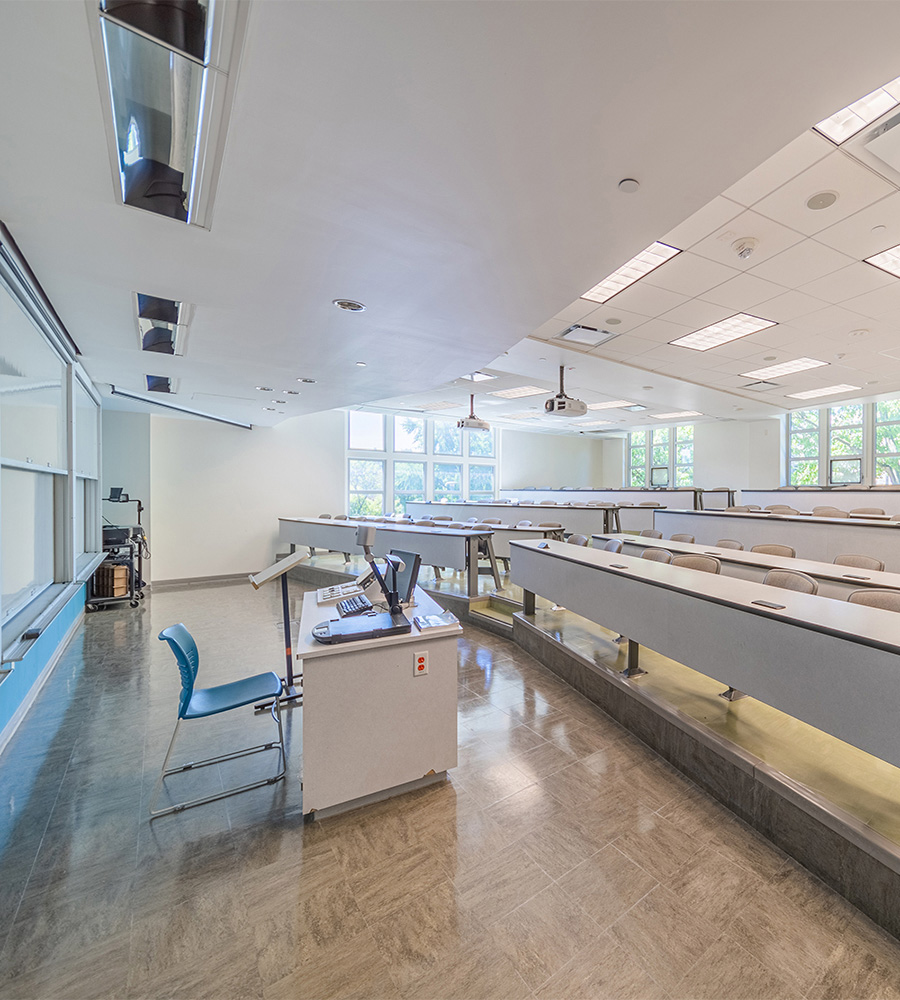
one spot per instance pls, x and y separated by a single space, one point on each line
845 443
637 475
684 455
887 442
394 460
661 456
27 539
803 448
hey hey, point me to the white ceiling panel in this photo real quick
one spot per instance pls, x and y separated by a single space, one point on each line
880 302
868 232
574 312
855 185
857 279
788 307
696 314
801 264
689 274
830 320
707 220
796 157
773 239
624 347
662 331
602 319
742 293
647 299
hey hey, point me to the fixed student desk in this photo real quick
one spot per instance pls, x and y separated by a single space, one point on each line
817 538
833 665
453 547
370 722
837 582
680 496
887 500
575 520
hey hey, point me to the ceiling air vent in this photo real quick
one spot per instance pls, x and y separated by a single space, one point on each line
158 383
586 335
162 324
761 386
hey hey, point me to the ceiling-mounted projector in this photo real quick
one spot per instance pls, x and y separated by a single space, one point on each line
563 405
471 422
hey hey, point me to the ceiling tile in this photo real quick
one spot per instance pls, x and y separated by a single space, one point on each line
857 279
801 264
600 319
690 275
623 348
696 314
662 330
856 186
879 302
854 235
773 239
647 299
574 312
787 307
742 293
829 320
707 220
797 156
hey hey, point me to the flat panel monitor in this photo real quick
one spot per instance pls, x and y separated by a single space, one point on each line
115 492
659 476
407 577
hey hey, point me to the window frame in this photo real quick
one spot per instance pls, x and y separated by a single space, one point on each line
649 469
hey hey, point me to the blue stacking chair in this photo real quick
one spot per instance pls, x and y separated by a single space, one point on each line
198 703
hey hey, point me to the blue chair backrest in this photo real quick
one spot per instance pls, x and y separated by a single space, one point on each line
182 644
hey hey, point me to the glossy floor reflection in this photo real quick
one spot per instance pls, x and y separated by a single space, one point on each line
560 859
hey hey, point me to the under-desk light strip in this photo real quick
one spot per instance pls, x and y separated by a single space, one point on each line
178 409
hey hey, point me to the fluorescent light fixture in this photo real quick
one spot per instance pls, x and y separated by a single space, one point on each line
519 391
829 390
167 84
646 261
676 416
888 260
723 332
444 404
785 368
852 119
587 335
478 377
180 409
614 404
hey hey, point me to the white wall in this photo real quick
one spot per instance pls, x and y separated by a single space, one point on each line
218 490
737 453
529 459
126 463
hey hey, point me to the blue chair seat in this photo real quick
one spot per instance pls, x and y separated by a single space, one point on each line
212 700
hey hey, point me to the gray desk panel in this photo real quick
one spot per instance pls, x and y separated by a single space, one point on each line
577 520
835 666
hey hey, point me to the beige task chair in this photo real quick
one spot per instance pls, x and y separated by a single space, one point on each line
522 524
886 600
737 509
702 563
425 524
341 517
492 520
657 555
578 540
682 538
773 549
613 545
865 511
441 517
859 562
650 503
730 543
651 533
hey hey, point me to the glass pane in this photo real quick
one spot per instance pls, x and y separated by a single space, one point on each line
805 445
447 438
481 444
87 415
638 439
804 473
804 420
684 475
659 475
409 477
638 456
26 536
851 413
887 471
887 439
889 409
481 479
366 503
661 435
80 508
366 431
684 433
400 501
660 455
638 477
31 391
846 470
684 453
447 480
366 475
409 434
846 441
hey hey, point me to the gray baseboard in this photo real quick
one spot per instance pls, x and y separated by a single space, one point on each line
840 849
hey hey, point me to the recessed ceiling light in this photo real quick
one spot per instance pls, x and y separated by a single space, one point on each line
519 391
879 229
307 381
264 388
595 423
785 368
857 333
646 261
444 404
646 388
888 260
613 405
290 392
360 364
770 357
613 321
676 416
628 185
635 407
850 120
829 390
349 305
518 416
723 332
271 409
823 199
477 377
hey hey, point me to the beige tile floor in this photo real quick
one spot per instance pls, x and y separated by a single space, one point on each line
561 858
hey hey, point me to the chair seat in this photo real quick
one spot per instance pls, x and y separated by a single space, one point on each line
212 700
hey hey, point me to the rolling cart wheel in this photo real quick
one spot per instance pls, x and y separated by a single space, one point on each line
140 595
90 607
134 604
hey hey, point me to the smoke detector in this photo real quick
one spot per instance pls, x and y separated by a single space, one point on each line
745 246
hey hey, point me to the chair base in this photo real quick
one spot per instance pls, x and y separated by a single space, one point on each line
233 755
289 698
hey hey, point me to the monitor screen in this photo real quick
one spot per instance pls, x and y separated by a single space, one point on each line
115 492
406 578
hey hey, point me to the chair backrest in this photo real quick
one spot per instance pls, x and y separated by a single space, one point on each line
613 545
858 511
491 520
650 503
471 520
773 549
775 507
729 543
887 600
430 524
829 512
577 539
549 524
341 517
526 501
657 555
682 538
860 562
789 579
738 509
548 503
752 506
523 524
705 564
441 517
182 644
455 524
651 533
895 517
326 516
